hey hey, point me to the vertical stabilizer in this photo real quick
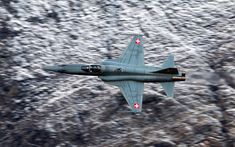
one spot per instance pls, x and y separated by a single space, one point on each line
169 62
168 88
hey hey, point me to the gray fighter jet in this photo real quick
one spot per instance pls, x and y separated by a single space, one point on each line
129 72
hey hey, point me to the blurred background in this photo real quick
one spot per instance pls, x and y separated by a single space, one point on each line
38 108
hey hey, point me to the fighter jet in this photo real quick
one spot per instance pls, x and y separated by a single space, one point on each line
129 73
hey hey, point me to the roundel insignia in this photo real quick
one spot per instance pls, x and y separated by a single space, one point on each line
137 41
136 105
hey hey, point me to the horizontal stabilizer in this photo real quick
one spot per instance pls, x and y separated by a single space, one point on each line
169 62
168 88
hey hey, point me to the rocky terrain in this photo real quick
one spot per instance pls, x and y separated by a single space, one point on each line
38 108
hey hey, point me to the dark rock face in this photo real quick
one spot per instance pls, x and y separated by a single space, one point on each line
46 109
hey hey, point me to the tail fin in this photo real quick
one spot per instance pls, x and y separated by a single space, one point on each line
169 62
168 88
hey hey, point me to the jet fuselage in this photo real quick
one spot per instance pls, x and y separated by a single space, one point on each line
118 72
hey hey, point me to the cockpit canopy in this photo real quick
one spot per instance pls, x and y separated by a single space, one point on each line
91 68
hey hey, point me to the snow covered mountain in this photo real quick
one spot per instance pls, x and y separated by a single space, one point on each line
38 108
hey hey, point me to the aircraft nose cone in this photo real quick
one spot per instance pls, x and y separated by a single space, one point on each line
55 68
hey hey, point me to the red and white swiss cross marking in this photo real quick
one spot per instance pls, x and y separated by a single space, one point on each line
137 41
136 105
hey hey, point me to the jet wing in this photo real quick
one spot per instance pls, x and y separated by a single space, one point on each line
133 93
134 53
